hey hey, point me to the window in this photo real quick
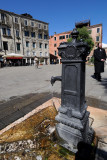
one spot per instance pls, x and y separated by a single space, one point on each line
54 38
28 53
61 37
2 16
16 20
39 26
40 54
55 53
40 45
32 24
34 45
55 45
18 46
27 33
17 33
40 36
34 53
45 36
90 31
97 38
67 36
45 27
27 43
46 45
8 32
5 45
98 30
46 54
4 31
25 22
32 34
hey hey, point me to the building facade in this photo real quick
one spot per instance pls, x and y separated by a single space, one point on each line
54 42
95 32
21 34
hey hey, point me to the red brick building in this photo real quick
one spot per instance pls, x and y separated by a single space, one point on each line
54 42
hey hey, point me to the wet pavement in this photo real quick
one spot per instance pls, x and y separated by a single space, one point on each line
16 108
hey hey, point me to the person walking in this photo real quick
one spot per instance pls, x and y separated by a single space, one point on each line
99 59
36 62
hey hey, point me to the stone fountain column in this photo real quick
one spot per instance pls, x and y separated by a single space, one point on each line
73 117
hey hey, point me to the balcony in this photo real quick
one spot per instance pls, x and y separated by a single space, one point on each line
7 36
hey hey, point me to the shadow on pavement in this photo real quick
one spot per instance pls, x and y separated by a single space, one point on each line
85 151
89 152
104 83
101 154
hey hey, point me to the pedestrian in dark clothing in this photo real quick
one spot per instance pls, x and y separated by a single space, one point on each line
99 59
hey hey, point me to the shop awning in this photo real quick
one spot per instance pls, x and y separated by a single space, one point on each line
13 56
2 53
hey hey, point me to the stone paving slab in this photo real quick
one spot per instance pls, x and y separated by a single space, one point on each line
24 88
17 108
100 128
19 81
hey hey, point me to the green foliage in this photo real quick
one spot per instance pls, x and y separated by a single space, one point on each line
69 40
85 36
83 33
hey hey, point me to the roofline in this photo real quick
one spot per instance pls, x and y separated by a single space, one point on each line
19 15
96 25
61 33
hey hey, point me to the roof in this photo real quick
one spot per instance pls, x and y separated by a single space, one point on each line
82 23
22 16
96 25
62 33
93 26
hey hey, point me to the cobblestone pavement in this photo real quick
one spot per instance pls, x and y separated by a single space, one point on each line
18 81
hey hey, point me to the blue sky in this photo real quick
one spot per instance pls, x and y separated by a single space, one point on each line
61 14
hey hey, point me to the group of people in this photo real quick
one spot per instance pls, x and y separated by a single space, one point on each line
11 63
99 59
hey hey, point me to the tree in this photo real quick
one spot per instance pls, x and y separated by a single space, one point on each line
85 36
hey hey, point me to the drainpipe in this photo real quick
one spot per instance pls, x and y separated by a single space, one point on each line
1 37
22 29
13 33
22 37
